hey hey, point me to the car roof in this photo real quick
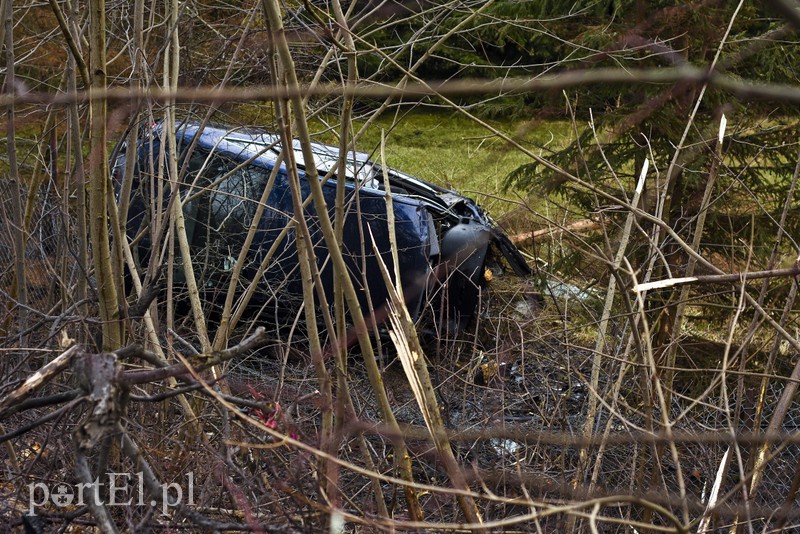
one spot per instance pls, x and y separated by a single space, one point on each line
263 147
243 143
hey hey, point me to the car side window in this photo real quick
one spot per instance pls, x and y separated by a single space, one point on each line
234 200
220 206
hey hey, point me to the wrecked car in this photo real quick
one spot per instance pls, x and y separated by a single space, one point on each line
445 241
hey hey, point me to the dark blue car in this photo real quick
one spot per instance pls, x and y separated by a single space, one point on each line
444 239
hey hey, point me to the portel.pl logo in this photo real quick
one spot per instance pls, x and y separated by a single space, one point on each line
121 489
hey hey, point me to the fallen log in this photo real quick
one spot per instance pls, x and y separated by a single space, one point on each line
528 238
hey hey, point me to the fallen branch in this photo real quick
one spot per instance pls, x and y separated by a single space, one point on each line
39 378
199 362
794 270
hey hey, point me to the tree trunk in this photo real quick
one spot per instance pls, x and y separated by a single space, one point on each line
98 184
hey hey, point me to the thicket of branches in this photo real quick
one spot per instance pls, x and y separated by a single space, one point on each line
645 380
